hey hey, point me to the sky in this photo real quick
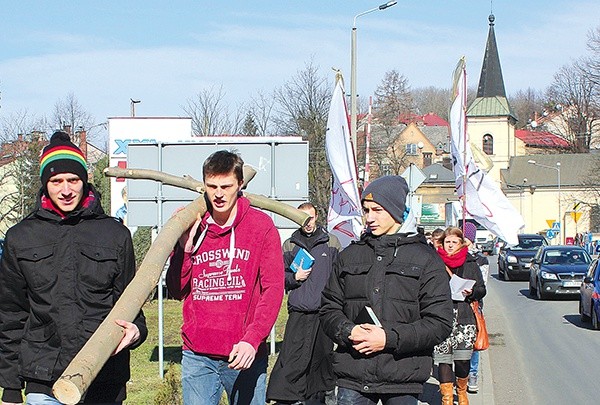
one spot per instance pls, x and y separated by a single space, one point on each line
165 53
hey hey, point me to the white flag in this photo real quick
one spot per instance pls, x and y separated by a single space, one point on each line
344 218
485 202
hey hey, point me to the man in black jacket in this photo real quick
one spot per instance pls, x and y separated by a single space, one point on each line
64 267
394 273
302 373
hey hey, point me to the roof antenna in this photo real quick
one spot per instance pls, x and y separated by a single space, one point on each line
491 6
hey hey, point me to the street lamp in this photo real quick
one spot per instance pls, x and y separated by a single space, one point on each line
532 188
353 107
521 196
133 103
557 168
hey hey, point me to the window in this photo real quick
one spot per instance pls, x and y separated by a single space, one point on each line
488 144
427 157
386 169
411 149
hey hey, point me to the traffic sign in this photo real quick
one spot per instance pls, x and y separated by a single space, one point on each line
550 234
556 226
576 216
414 177
550 222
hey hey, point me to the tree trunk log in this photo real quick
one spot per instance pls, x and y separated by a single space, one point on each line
86 365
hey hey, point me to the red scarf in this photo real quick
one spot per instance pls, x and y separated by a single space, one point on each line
48 204
455 260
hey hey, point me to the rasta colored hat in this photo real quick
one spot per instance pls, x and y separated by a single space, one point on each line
470 231
390 192
62 156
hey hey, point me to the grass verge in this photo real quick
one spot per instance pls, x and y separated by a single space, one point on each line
146 386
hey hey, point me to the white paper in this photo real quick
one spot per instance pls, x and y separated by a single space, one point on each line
458 285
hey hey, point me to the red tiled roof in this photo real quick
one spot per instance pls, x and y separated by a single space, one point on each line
428 120
541 139
434 120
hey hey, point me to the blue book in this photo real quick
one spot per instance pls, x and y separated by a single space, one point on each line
303 260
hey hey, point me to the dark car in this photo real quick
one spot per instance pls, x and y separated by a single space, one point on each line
589 296
1 247
558 271
514 261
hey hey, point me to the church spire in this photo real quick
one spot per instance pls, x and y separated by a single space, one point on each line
491 83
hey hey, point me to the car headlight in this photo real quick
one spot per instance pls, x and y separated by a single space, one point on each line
511 259
548 276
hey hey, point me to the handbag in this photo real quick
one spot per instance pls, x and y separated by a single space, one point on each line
482 341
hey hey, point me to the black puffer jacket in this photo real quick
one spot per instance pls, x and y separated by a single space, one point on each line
305 296
405 283
469 270
59 278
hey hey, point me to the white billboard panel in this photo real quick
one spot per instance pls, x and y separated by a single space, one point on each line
125 130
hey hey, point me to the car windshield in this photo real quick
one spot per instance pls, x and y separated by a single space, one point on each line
566 257
528 244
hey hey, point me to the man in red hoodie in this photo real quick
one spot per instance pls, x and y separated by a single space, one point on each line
228 270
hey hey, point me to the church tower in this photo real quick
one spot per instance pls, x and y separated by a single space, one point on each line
490 119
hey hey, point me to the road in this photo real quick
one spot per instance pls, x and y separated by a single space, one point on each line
540 353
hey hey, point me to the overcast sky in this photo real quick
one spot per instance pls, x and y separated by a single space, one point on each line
164 53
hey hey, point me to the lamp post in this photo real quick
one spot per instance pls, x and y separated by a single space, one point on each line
521 196
532 188
133 103
557 168
353 107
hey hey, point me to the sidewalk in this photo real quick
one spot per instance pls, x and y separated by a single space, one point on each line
485 396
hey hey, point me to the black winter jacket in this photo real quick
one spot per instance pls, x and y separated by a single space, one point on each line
469 270
305 296
59 279
406 284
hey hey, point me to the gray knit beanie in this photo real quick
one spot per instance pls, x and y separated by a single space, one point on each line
390 192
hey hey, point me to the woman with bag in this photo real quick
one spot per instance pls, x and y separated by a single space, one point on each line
456 350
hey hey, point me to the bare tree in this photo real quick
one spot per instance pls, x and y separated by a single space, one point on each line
393 99
68 112
211 116
593 62
525 104
261 107
432 99
303 107
576 95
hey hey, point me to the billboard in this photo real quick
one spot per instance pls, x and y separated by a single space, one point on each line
281 165
123 131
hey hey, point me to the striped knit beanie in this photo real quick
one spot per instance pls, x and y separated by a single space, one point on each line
62 156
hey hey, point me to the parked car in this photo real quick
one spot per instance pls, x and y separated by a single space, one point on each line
589 296
1 247
558 270
514 261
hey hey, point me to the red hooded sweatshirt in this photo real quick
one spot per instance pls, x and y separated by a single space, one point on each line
228 301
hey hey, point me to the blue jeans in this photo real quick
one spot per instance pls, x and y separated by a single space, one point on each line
43 399
346 396
474 363
204 379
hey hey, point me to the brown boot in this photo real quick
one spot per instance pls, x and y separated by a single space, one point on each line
461 390
447 391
